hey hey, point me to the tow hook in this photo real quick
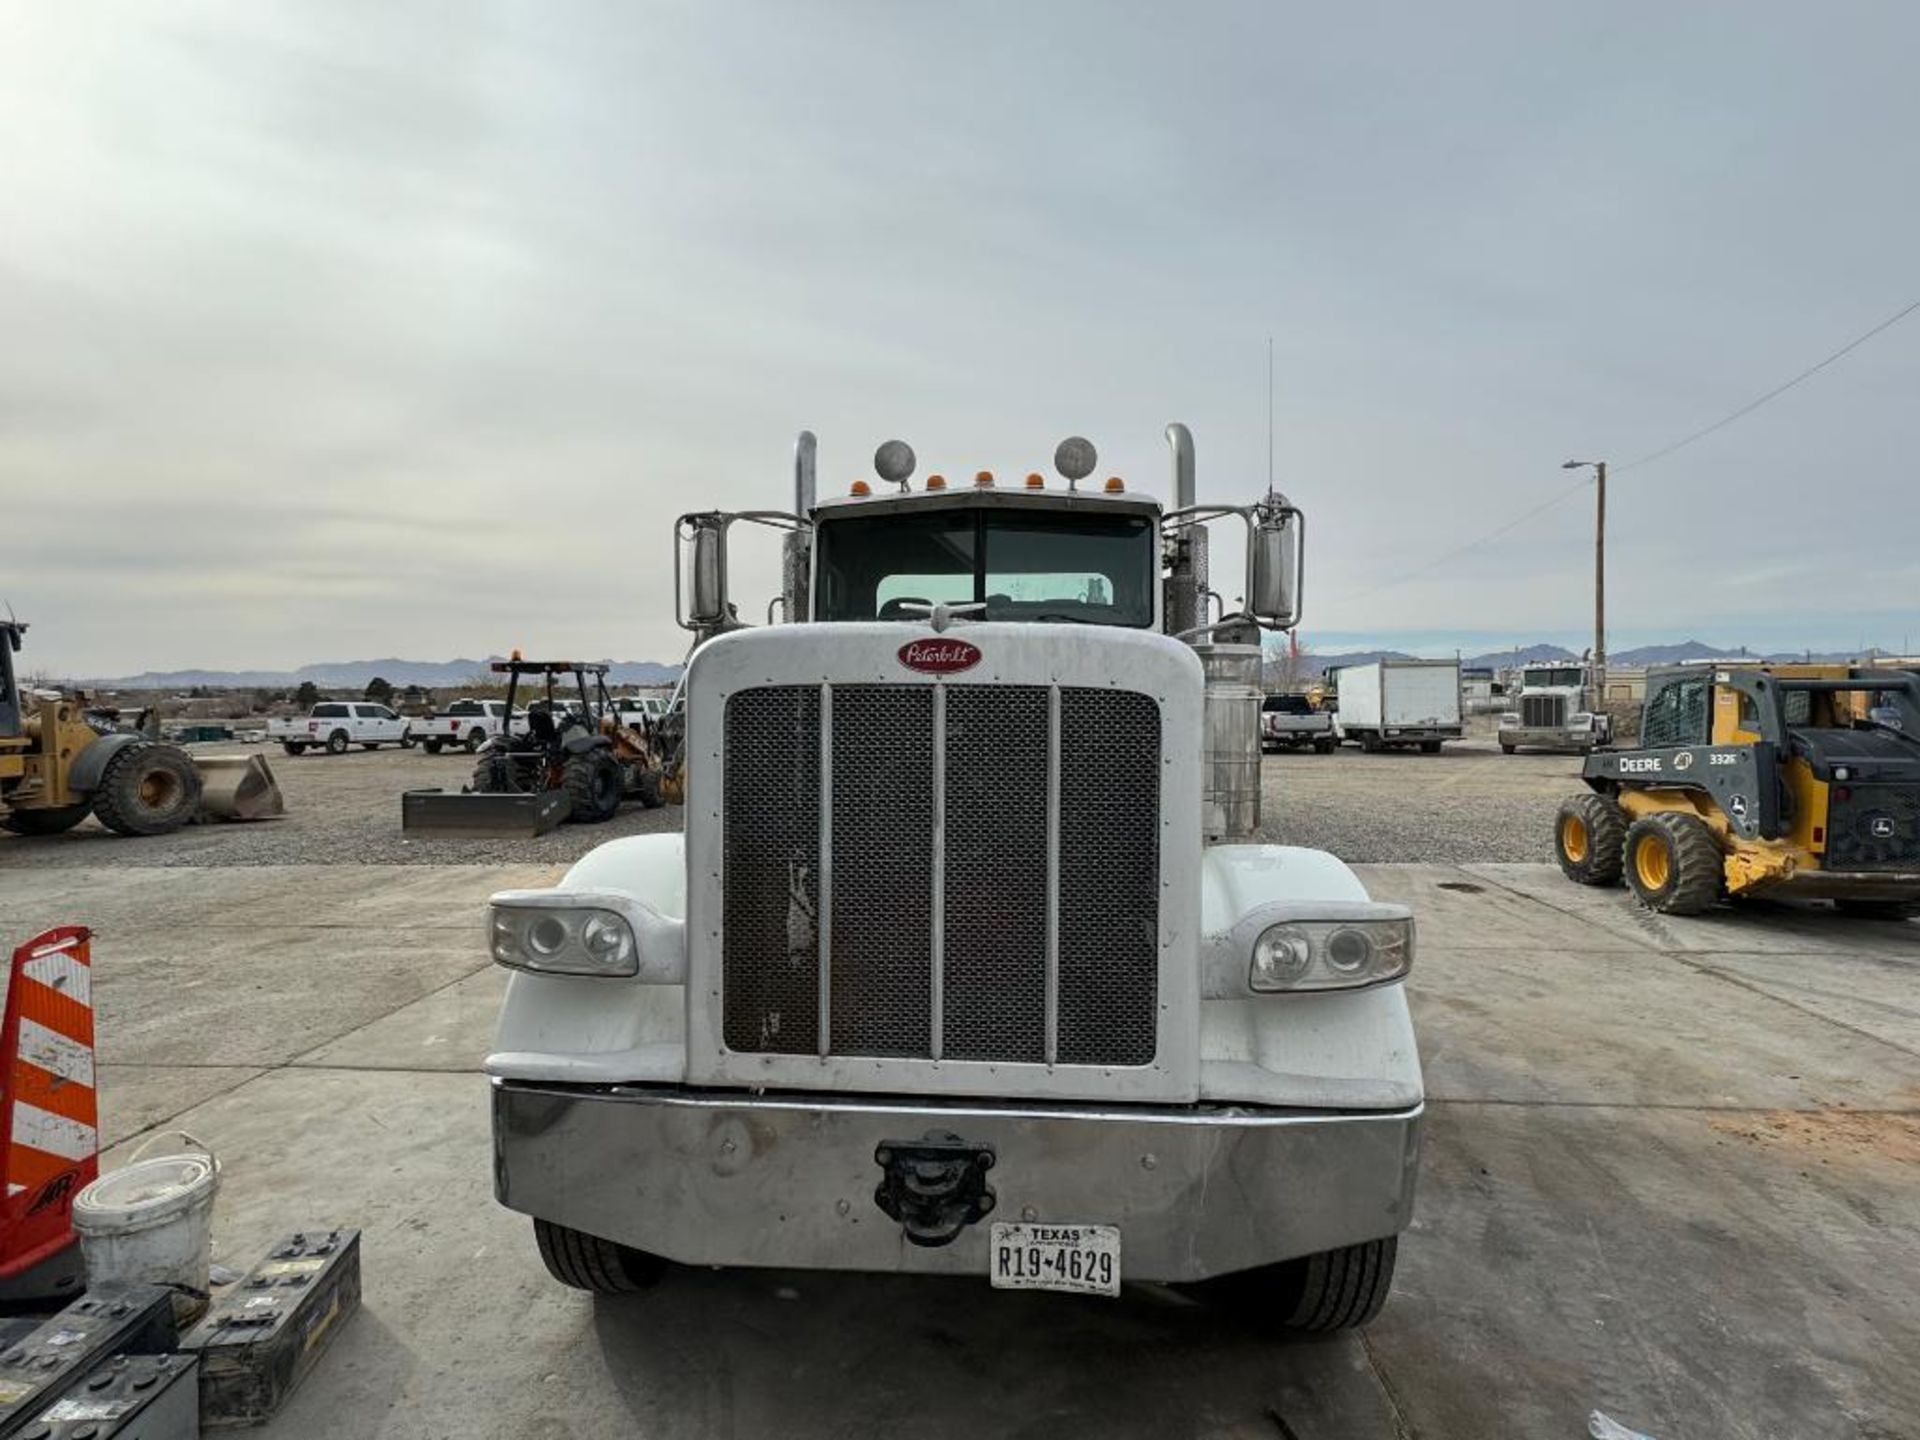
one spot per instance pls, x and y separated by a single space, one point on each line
935 1186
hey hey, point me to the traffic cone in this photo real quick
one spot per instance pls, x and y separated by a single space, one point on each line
49 1110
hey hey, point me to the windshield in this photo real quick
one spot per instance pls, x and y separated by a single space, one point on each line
1556 677
1091 569
1287 705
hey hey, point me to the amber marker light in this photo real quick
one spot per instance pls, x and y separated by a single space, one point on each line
984 479
936 482
860 487
1115 485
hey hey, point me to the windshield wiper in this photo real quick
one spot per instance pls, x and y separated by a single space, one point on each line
1056 617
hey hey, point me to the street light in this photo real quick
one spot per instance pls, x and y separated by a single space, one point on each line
1599 468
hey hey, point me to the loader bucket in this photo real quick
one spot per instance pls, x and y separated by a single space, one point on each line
238 787
481 817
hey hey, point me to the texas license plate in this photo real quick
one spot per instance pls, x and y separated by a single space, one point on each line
1084 1259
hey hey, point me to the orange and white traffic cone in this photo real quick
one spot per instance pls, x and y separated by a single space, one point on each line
49 1110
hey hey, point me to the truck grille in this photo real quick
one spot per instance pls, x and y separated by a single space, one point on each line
1544 712
1875 827
993 898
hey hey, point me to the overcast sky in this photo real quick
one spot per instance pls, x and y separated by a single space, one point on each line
349 330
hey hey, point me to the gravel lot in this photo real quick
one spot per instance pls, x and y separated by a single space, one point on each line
1468 804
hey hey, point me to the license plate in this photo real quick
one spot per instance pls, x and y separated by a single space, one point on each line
1083 1259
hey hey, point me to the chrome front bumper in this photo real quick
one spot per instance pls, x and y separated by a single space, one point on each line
1542 737
727 1178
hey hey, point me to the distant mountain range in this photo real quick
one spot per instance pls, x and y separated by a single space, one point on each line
451 674
354 675
1318 663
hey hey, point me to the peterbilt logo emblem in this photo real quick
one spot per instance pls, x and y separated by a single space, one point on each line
939 657
1882 827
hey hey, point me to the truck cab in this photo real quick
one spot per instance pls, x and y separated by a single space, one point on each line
967 961
1555 707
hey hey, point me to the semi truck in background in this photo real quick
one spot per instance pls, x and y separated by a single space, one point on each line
967 961
1392 704
1554 707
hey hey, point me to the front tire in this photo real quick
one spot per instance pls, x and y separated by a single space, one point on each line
586 1262
1673 863
595 787
432 746
1589 839
147 790
1334 1290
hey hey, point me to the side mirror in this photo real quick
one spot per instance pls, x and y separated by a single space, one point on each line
1273 568
703 597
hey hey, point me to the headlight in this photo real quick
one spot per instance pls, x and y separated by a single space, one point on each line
580 940
1331 954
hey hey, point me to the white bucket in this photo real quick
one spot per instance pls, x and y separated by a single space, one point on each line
151 1222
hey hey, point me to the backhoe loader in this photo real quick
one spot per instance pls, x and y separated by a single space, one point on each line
1775 780
58 765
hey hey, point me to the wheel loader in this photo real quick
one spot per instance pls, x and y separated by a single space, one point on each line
1751 780
59 764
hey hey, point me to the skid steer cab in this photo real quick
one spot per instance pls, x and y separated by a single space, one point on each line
1781 780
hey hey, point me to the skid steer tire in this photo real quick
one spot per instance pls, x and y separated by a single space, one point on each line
52 821
338 742
595 787
586 1262
147 790
1589 839
432 746
1672 863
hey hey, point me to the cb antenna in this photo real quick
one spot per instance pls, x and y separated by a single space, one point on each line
1269 414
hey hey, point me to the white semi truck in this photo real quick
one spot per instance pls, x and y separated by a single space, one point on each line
1394 704
1554 707
966 963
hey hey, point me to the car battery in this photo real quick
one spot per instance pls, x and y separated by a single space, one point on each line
131 1397
259 1339
107 1321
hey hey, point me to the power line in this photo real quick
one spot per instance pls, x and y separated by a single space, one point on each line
1648 459
1776 392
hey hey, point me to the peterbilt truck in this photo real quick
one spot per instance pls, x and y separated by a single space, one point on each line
966 962
1554 707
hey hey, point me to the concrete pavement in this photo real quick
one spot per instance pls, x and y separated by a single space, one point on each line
1668 1174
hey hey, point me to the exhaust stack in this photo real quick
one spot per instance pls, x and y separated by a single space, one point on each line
796 551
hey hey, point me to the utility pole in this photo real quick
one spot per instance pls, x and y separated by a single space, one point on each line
1599 468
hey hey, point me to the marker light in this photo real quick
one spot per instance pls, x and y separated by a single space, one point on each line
1036 482
516 652
984 479
1115 485
936 482
860 487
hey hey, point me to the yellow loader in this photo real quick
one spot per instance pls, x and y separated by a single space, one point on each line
56 768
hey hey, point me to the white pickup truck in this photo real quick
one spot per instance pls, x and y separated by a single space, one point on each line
468 723
334 725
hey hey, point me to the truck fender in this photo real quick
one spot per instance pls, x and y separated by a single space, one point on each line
84 776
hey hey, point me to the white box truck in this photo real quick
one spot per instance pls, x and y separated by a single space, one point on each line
1400 702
